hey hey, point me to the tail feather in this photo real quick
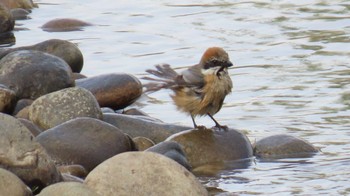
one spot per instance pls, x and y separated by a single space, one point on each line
166 78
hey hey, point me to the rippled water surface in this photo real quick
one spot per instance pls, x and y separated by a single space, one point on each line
292 73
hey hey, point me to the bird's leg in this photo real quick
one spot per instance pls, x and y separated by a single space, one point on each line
216 123
194 122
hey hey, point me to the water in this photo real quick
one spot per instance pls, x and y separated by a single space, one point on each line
292 73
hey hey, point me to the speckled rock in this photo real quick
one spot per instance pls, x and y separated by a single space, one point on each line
25 4
7 22
64 24
83 141
151 173
7 99
55 108
68 189
24 157
283 146
113 90
205 146
22 103
135 126
32 74
10 184
65 50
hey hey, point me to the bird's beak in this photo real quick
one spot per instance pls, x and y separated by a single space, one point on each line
229 64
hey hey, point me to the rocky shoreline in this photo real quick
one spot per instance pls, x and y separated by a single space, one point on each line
63 132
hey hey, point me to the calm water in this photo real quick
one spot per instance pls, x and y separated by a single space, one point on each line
292 73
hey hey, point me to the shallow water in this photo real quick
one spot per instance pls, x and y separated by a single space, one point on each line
292 73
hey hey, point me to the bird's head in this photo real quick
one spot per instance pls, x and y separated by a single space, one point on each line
215 59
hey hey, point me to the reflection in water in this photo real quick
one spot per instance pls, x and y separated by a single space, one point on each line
291 77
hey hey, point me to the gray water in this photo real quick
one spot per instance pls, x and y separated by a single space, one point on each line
292 73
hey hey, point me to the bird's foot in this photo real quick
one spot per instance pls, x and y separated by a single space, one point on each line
219 127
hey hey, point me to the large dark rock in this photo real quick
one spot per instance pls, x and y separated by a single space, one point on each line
113 90
55 108
135 126
65 50
206 146
23 156
64 24
32 74
83 141
172 150
7 22
143 173
283 146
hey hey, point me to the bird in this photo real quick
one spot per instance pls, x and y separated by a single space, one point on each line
200 89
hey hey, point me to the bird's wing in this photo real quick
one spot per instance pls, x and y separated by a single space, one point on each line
193 77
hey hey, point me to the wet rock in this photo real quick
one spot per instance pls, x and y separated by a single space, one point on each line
205 146
171 150
151 173
65 50
24 157
283 146
20 14
83 141
67 189
142 143
22 103
107 110
35 130
7 99
55 108
25 4
32 73
10 184
7 23
6 39
113 90
64 24
134 126
135 111
75 170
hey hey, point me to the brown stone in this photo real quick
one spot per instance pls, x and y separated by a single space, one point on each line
64 24
113 90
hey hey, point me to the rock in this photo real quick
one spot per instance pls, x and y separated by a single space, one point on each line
7 23
55 108
283 146
143 173
205 146
20 14
142 143
22 103
24 157
10 184
32 73
77 76
65 50
135 111
25 4
107 110
171 150
24 113
75 170
113 90
7 39
7 99
64 24
70 178
135 127
67 189
35 130
83 141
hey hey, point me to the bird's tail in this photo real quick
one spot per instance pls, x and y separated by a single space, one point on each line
167 78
